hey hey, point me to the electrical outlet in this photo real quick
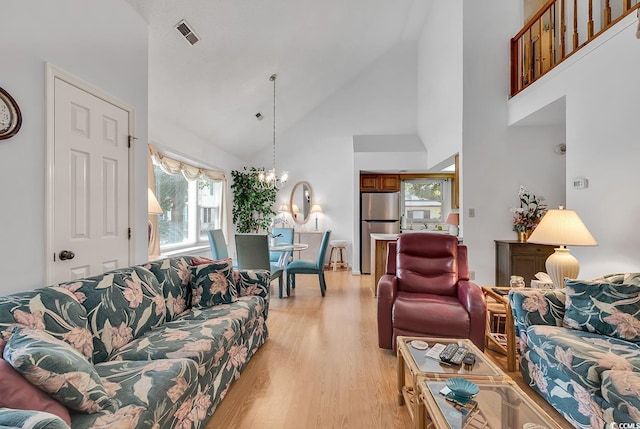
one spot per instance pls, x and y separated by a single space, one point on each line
472 275
472 212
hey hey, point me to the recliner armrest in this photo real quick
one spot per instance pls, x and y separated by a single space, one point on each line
387 292
472 298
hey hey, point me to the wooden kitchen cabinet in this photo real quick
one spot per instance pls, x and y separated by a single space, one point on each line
379 183
514 258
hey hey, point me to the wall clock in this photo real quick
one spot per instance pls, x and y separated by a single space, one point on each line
10 117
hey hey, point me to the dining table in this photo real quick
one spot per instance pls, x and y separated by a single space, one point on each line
284 249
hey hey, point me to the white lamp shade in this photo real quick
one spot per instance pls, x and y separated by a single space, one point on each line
295 209
316 208
153 207
283 208
562 227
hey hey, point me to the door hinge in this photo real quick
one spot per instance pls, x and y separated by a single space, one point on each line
131 139
129 233
54 256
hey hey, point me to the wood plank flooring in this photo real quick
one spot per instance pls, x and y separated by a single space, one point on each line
321 366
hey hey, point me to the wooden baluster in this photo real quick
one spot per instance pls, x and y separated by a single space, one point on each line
607 13
563 31
590 23
552 38
626 4
575 24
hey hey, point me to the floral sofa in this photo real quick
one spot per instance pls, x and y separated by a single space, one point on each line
580 348
148 346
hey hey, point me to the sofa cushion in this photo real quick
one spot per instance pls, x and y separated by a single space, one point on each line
582 356
10 418
58 369
51 309
603 308
204 341
621 389
213 284
146 393
121 305
16 392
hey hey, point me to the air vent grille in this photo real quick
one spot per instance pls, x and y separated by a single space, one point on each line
187 32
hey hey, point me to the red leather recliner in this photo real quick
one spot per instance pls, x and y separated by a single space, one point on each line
426 292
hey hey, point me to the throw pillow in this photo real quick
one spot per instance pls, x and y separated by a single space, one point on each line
213 284
58 369
19 394
603 308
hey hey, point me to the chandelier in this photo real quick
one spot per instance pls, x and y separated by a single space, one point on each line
268 178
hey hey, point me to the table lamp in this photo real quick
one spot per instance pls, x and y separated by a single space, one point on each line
564 228
316 209
153 208
283 209
294 211
454 220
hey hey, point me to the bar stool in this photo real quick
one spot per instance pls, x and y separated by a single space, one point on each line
339 247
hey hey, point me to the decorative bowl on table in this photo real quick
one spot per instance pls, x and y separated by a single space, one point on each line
462 388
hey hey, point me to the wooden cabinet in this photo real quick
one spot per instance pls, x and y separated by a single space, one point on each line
379 183
311 238
514 258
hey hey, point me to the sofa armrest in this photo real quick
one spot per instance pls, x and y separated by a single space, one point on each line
254 282
387 292
472 299
535 307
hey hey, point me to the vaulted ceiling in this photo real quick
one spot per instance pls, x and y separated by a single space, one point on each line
215 87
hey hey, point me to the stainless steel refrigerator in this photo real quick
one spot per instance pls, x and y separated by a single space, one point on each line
379 214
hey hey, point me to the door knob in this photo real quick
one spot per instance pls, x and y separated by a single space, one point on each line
66 254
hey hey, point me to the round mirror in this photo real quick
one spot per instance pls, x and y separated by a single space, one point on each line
300 202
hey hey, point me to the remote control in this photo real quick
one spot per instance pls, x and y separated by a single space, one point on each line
458 356
448 352
469 359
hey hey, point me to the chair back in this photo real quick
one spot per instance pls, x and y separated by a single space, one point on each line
427 263
217 244
286 237
323 250
253 251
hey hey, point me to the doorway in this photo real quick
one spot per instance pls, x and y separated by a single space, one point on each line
88 228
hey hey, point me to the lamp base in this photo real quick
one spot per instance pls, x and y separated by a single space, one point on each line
560 265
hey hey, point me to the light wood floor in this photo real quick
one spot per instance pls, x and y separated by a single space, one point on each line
321 366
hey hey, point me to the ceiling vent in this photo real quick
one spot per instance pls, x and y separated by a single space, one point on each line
187 32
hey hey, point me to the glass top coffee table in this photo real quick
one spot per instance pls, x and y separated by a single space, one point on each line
414 359
500 404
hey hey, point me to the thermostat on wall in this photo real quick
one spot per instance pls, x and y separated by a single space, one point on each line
580 183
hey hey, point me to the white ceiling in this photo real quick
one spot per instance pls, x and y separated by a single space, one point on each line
215 88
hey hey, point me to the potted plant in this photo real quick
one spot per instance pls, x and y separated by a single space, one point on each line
529 214
252 201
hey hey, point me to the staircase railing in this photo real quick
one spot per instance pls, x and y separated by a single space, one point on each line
558 31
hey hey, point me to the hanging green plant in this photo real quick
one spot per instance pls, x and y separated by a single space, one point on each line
252 202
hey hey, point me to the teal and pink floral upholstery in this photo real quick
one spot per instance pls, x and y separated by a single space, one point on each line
58 369
213 284
575 354
162 363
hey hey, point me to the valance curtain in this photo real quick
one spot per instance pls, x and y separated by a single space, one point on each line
190 172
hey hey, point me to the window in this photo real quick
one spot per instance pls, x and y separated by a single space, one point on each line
190 207
423 201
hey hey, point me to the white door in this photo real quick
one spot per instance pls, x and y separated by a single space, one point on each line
90 191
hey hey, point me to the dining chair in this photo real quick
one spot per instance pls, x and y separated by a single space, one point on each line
283 236
253 254
309 267
217 244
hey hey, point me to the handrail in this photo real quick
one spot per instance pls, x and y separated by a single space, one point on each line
541 44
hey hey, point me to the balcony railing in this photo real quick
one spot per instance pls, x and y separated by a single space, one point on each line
559 30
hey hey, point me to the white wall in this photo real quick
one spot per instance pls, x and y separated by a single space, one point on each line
440 81
600 85
319 148
79 37
497 158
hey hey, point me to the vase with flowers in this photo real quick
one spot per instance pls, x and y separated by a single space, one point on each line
529 214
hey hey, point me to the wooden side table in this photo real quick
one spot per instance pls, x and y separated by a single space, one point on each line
510 348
